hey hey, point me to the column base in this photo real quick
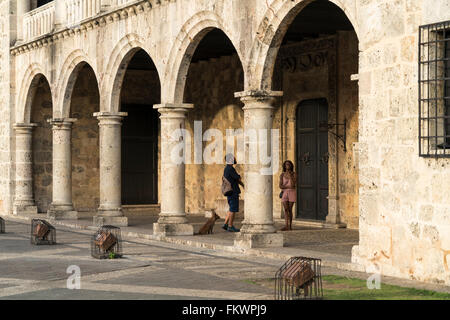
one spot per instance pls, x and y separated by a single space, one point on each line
333 214
262 240
173 229
24 210
112 221
252 228
62 214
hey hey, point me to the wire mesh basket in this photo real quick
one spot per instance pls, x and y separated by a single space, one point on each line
299 278
106 243
42 232
2 225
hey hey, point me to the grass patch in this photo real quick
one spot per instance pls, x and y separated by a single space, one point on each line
344 288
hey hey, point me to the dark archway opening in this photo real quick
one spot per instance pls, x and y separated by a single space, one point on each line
41 110
214 75
85 101
316 59
40 3
141 90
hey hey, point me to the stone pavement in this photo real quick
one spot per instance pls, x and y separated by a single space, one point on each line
333 246
196 267
149 270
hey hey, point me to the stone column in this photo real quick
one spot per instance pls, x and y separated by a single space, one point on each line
172 219
110 209
60 14
258 227
61 206
23 200
23 6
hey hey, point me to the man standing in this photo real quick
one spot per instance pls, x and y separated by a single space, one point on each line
233 200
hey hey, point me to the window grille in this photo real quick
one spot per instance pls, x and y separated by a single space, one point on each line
434 90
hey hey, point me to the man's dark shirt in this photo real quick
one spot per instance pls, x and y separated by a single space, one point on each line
232 176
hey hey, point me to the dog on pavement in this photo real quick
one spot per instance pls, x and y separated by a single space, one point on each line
209 225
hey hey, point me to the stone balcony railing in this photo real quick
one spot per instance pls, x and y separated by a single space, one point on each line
121 2
79 10
39 21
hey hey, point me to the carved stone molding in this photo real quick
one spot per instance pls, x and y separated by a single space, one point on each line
306 55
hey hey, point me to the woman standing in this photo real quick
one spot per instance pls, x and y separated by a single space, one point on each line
288 182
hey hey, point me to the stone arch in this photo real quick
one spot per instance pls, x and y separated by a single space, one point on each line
270 34
28 89
187 40
66 82
120 57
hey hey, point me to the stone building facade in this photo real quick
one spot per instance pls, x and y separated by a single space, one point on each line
92 91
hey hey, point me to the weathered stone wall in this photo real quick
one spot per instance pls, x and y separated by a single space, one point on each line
85 142
7 91
347 96
41 110
404 201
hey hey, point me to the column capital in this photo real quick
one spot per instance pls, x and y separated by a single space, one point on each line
173 107
61 123
24 126
173 110
110 117
257 95
258 99
106 114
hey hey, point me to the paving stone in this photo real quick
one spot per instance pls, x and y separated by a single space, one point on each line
64 294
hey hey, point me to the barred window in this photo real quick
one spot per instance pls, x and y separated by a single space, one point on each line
434 90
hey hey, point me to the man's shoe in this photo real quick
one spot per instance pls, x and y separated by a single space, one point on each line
225 227
233 229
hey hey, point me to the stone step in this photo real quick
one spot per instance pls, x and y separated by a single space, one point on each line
144 208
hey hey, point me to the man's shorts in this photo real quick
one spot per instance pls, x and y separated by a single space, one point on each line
233 202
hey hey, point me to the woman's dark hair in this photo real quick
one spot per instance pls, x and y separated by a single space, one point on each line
286 162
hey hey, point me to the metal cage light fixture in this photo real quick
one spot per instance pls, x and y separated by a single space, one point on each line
299 278
106 243
42 232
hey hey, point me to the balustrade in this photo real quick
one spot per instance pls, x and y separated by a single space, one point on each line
39 22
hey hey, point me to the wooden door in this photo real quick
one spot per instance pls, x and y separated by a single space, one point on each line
312 160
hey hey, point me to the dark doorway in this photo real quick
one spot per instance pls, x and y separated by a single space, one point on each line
41 110
40 3
140 155
312 160
139 92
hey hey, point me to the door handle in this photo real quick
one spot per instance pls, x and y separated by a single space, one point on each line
325 157
306 159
